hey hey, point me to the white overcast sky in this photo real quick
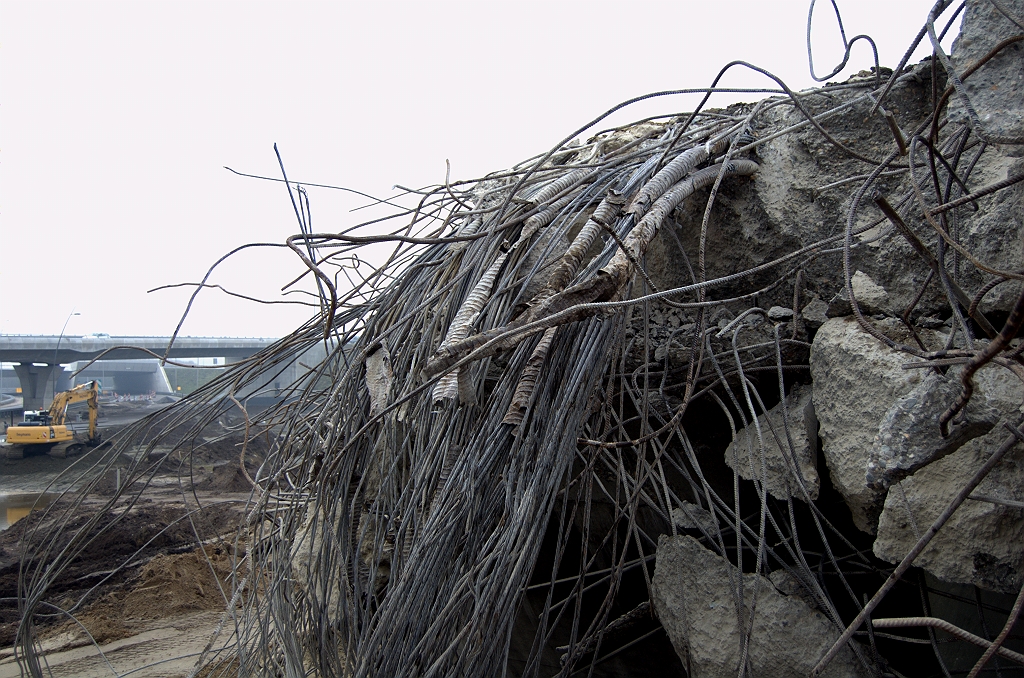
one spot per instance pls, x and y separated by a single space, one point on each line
117 118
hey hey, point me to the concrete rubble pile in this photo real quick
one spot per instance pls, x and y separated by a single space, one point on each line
875 408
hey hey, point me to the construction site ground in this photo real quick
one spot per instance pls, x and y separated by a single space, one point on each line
141 598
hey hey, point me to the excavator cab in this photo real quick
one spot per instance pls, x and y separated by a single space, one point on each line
36 418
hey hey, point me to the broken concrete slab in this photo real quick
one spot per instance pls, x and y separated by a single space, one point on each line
856 379
871 298
694 595
786 469
788 584
983 542
689 516
909 437
996 89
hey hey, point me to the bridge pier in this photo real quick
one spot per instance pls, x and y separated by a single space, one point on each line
34 379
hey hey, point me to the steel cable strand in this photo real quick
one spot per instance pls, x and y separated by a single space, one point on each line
543 253
565 270
554 187
555 564
996 646
943 625
605 285
671 174
543 218
581 418
449 386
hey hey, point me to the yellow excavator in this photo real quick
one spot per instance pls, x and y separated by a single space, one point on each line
46 431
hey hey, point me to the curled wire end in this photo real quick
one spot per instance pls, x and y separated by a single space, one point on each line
944 422
955 409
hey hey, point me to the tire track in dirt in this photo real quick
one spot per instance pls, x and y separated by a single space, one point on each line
168 650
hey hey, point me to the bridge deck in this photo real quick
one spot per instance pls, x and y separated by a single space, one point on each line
62 350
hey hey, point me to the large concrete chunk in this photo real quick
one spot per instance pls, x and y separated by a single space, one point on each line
983 542
909 437
856 380
789 203
786 469
694 595
996 90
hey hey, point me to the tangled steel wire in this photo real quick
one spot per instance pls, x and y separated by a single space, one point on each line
478 470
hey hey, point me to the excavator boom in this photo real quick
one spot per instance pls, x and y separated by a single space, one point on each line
87 392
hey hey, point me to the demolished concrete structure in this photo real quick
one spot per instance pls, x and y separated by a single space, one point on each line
588 382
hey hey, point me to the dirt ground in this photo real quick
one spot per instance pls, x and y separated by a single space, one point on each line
143 596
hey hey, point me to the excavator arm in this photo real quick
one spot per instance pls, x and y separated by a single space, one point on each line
88 392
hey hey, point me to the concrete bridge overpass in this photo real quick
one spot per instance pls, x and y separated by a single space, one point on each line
37 358
54 350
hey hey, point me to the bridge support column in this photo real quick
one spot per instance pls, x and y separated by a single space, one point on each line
34 379
64 381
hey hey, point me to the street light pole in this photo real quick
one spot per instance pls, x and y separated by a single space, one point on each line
56 364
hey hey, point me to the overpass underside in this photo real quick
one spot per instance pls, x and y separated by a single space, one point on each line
127 366
38 383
